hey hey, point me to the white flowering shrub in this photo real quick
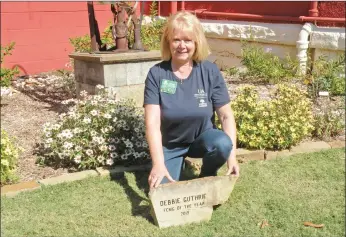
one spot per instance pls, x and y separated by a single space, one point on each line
9 156
97 131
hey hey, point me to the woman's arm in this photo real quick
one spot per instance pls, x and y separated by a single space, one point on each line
153 133
154 139
226 117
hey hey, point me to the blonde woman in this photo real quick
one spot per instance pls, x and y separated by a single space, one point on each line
180 98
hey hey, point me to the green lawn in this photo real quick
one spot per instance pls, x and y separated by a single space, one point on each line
286 192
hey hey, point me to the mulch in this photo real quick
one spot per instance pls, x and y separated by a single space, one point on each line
23 116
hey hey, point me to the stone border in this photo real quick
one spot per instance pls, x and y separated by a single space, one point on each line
13 189
243 155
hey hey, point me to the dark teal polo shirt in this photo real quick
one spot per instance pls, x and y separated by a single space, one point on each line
187 106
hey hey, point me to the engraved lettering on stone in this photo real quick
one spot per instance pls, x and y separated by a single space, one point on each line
189 201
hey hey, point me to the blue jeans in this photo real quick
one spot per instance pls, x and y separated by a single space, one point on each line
213 146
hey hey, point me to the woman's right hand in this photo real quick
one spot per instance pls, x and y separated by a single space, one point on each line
158 172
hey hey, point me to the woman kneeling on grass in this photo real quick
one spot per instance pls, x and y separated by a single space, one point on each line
181 95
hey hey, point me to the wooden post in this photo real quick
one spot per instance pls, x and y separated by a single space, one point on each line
91 14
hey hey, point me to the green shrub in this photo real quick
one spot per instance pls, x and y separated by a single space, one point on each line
83 43
338 86
327 75
9 156
328 123
151 34
278 123
96 131
107 36
266 67
68 82
153 9
6 74
232 71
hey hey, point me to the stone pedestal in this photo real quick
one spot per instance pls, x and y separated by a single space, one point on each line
124 73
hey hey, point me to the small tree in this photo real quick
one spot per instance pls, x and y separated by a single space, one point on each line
6 74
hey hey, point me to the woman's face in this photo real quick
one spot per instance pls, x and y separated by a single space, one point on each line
182 46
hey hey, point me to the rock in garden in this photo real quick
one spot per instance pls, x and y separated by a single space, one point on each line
190 201
5 91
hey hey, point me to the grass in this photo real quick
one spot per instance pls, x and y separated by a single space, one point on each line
285 192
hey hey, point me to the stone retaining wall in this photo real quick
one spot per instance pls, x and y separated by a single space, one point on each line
225 39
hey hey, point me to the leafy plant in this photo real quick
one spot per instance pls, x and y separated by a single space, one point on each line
265 66
153 9
97 131
232 71
6 74
328 123
68 82
326 75
9 156
83 43
278 123
107 36
151 34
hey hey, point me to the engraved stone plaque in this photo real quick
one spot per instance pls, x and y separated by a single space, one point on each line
189 201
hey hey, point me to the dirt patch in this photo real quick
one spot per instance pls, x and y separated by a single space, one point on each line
22 116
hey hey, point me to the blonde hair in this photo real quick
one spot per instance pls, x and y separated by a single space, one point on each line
188 22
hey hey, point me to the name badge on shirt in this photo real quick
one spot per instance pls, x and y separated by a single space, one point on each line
168 86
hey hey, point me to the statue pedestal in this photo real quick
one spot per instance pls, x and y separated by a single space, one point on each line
124 73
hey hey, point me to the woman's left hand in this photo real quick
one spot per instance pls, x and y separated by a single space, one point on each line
233 167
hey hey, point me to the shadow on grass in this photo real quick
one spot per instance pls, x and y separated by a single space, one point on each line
141 205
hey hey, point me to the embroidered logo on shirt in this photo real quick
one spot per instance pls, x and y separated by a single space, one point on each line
168 86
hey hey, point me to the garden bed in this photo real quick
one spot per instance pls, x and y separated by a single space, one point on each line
37 100
31 104
22 117
321 104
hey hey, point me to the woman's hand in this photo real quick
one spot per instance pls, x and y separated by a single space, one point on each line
158 172
226 117
154 138
233 167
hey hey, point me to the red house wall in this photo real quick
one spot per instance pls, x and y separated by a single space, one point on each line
332 9
279 8
41 30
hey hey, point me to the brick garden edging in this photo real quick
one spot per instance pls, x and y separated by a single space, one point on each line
13 189
242 156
